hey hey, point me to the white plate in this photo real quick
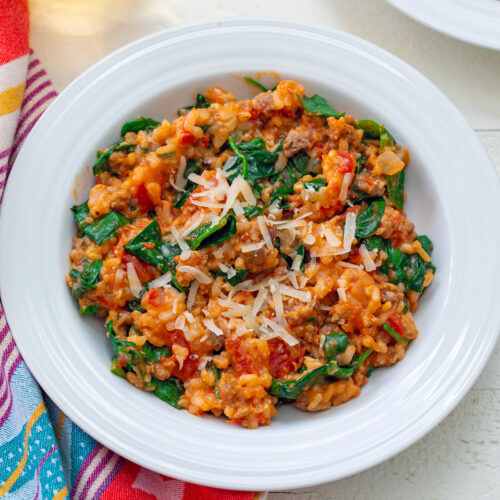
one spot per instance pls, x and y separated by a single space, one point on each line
474 21
453 197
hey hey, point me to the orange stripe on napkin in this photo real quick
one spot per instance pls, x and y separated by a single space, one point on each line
14 29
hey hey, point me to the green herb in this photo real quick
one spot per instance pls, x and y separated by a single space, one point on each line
135 305
363 357
257 84
373 130
360 163
102 165
292 388
240 276
167 155
315 184
368 220
119 346
253 211
302 369
169 391
405 309
396 189
425 242
317 106
212 234
251 160
85 280
140 124
371 370
334 344
90 310
211 366
395 334
154 353
191 168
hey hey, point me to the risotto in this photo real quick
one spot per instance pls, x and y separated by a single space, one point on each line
251 254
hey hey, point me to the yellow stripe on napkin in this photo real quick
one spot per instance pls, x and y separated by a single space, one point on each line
11 99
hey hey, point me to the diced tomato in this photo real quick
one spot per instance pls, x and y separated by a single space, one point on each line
242 362
233 421
187 138
281 360
189 366
319 147
254 114
205 140
122 361
348 165
153 297
145 203
396 324
143 270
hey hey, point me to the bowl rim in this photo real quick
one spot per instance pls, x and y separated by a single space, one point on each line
115 57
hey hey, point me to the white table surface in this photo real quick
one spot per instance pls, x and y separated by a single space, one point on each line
459 459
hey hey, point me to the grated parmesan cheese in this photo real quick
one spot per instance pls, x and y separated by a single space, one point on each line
196 273
259 301
296 294
182 244
346 181
297 262
309 239
343 263
180 180
133 280
341 293
261 221
193 290
349 230
331 237
367 258
279 330
162 281
252 247
189 317
210 324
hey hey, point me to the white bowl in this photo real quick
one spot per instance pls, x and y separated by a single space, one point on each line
452 190
473 21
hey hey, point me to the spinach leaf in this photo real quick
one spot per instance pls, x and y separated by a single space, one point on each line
161 253
259 85
191 168
317 106
201 102
102 165
154 353
407 269
396 189
169 391
116 369
395 334
240 276
140 124
119 346
90 310
296 168
373 130
425 242
292 388
253 211
334 344
368 220
251 160
211 366
105 227
209 235
80 212
315 184
360 163
85 280
363 357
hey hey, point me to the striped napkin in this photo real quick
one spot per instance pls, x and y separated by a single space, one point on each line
43 454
